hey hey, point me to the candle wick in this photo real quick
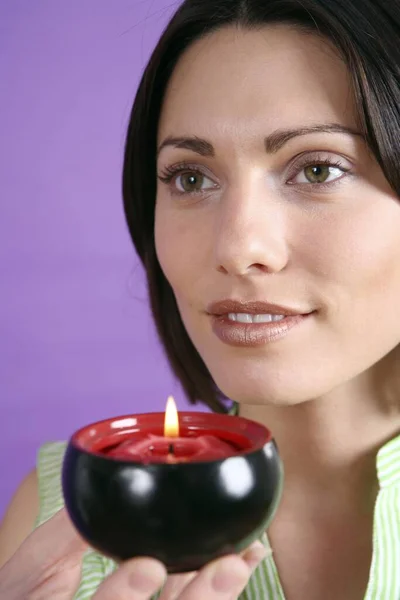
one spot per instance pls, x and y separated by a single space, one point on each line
171 449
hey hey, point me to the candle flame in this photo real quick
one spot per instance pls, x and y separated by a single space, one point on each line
171 422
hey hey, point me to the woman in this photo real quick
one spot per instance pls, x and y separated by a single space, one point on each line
261 185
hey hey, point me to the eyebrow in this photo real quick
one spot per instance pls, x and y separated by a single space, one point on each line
272 143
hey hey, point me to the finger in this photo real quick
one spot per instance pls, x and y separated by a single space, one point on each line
136 579
254 554
175 584
52 548
52 542
222 579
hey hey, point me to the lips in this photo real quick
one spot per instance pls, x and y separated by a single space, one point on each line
224 307
230 326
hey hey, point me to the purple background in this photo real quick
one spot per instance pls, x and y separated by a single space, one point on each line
76 339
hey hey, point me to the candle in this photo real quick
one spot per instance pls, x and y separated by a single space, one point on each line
173 447
220 491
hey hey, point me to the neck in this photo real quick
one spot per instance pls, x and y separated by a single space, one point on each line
329 444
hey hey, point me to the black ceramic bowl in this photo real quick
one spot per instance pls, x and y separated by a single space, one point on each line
184 514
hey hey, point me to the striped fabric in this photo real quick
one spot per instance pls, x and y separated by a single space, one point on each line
384 581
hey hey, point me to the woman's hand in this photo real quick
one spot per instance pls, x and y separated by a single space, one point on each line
48 566
222 579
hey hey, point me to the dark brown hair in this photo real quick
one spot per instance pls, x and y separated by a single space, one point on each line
366 33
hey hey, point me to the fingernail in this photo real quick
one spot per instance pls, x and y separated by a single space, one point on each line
228 579
256 553
146 578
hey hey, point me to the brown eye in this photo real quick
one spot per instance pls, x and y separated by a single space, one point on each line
190 182
317 173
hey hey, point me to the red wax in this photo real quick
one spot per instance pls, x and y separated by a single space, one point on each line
162 449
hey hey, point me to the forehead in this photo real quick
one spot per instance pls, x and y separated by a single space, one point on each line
235 81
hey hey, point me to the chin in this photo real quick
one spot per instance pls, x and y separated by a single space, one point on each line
280 388
263 395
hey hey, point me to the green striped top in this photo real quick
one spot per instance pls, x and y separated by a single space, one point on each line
384 580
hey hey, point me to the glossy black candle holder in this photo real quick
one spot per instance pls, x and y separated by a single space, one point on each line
183 514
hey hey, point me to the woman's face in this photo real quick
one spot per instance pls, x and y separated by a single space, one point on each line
267 194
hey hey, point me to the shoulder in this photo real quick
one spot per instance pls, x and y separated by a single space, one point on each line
37 498
20 516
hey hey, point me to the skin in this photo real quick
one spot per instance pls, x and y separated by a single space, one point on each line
251 225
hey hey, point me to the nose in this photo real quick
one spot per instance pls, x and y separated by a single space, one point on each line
250 236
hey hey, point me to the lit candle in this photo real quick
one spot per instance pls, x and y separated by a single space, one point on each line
126 499
173 447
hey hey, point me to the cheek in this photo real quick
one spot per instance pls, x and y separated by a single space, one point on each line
178 247
356 257
166 244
